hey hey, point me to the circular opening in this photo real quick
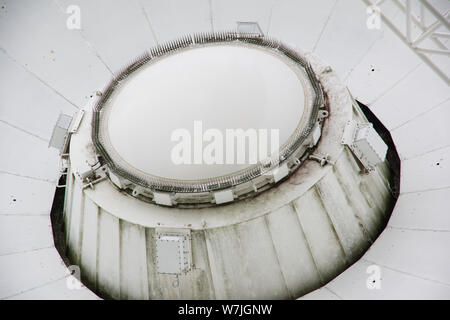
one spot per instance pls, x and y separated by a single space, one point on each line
208 113
175 107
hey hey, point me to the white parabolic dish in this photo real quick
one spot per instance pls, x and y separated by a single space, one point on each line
223 86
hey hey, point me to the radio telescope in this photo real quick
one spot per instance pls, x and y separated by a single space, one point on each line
352 204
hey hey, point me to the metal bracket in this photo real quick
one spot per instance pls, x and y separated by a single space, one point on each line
250 28
76 121
91 183
223 196
60 135
322 159
62 173
93 175
365 144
